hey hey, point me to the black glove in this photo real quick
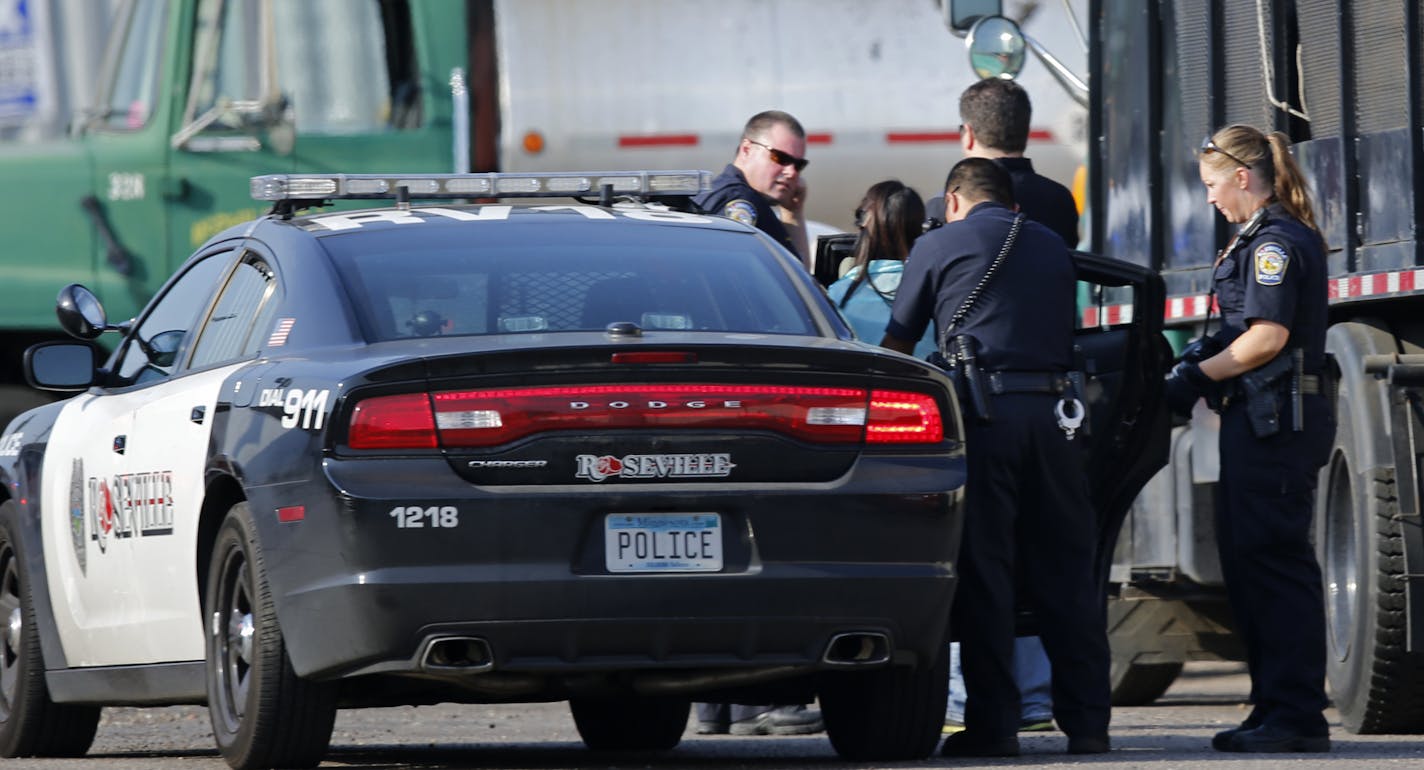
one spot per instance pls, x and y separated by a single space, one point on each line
1185 384
1200 349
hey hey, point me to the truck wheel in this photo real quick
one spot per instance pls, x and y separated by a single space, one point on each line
263 714
1138 684
31 725
1377 686
887 714
630 724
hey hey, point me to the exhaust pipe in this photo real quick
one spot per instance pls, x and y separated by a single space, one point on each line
860 648
456 654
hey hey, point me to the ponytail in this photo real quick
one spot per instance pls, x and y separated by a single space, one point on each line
1289 183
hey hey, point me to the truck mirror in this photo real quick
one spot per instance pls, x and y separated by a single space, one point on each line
996 48
64 366
80 312
960 15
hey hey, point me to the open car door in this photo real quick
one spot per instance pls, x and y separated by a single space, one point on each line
1121 349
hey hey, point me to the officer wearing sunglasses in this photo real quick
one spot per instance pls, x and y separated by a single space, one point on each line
765 172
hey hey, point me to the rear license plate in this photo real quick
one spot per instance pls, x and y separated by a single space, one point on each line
662 542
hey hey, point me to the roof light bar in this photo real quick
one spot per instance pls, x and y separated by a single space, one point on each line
282 187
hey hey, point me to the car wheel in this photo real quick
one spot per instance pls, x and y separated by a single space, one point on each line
631 723
1138 684
31 725
263 714
893 713
1375 683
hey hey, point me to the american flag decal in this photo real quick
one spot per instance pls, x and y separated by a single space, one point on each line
279 334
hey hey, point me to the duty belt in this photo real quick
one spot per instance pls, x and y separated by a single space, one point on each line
1310 385
1027 382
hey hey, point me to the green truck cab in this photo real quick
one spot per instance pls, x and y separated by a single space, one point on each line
195 98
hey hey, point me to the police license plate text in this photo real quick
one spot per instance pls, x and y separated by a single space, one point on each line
662 542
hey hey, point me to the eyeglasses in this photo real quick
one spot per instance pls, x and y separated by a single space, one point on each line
1208 145
782 158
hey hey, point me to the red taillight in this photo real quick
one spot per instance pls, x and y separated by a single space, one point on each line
902 417
393 422
486 418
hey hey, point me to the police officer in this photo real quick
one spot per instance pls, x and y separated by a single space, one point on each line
1027 493
765 171
1262 370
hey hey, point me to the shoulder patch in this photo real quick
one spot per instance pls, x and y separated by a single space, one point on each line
1271 261
742 211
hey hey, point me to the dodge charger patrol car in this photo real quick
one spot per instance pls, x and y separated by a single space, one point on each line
610 451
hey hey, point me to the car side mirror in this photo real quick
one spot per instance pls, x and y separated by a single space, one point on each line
162 348
80 312
63 365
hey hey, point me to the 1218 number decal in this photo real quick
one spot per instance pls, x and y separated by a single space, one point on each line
417 517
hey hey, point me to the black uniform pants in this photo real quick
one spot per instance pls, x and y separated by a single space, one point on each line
1028 512
1265 501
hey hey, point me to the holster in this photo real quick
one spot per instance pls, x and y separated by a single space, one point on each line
1261 387
962 364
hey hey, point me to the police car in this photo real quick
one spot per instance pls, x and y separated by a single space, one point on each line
620 455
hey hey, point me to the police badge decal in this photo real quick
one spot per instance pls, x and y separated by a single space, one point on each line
1271 261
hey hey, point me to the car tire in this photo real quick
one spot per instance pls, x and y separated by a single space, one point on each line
630 723
888 714
1376 684
1139 684
263 714
31 725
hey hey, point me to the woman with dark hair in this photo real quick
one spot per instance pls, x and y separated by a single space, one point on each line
889 218
1264 370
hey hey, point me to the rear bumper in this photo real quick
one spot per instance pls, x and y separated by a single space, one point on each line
524 573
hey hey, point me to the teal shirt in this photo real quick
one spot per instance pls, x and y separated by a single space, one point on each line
868 310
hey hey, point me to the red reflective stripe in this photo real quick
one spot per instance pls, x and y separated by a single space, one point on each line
915 137
820 138
658 140
1041 135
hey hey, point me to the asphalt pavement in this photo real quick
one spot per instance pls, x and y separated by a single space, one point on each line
1173 734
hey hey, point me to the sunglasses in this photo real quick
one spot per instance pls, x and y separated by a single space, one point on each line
782 158
1208 145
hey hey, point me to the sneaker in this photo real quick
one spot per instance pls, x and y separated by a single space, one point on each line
713 728
1036 725
782 720
1271 739
967 744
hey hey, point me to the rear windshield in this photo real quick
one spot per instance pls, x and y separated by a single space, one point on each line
565 277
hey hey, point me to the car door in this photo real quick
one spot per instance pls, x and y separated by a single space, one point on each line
119 476
1120 346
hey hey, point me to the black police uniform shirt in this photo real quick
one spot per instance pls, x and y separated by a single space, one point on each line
1024 319
733 198
1038 197
1278 274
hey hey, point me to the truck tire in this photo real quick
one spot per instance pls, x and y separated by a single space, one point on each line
1377 686
630 723
1139 684
31 725
263 714
888 714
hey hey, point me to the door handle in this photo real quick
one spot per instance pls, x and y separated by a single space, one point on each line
197 414
120 444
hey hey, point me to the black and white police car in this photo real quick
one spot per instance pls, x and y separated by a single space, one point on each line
621 455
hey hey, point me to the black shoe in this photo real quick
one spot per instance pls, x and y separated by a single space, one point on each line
1270 739
713 728
782 720
1221 740
966 744
1088 744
